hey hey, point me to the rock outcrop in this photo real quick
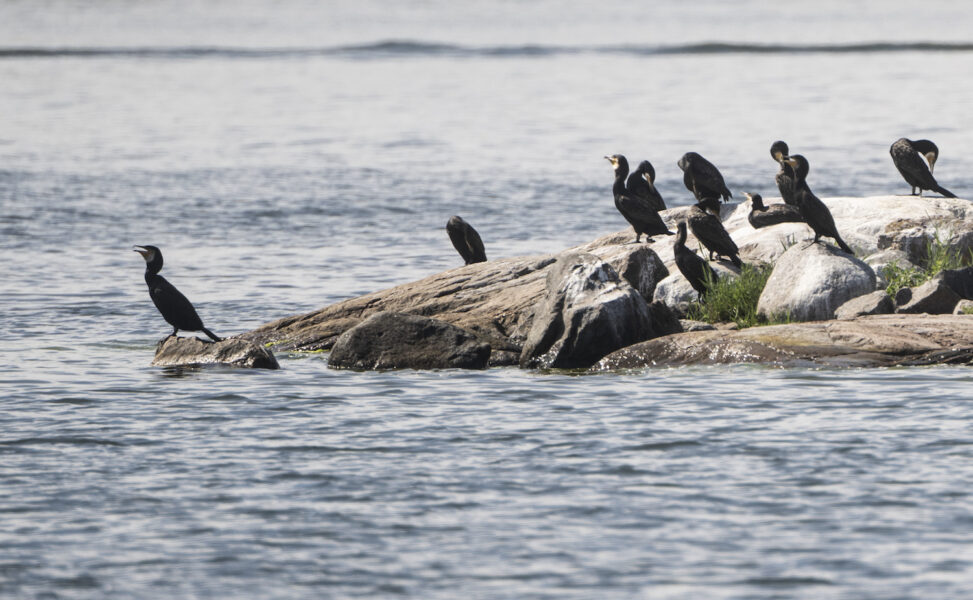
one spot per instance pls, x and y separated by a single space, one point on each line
810 281
388 340
588 311
496 300
933 297
879 340
676 292
193 352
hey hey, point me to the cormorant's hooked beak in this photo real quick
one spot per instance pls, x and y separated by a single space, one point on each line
791 161
748 196
648 178
931 157
145 252
779 156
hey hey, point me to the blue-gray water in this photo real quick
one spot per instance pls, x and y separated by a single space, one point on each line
288 155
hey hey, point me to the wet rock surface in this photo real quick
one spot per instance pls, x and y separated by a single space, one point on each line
879 340
389 340
193 352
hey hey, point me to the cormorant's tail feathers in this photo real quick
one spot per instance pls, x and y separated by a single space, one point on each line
844 247
941 190
736 261
212 335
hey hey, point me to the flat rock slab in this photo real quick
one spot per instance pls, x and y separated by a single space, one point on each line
193 352
871 341
388 340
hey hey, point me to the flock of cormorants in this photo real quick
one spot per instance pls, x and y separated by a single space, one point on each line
639 202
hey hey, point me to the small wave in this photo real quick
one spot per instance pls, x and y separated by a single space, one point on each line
406 48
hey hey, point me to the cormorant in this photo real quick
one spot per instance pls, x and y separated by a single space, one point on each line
710 232
905 154
466 240
765 216
636 210
785 175
692 267
175 308
703 179
814 212
641 183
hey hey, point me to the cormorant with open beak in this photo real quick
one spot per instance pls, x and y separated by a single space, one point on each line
814 212
641 183
906 157
765 216
175 308
704 180
637 211
466 240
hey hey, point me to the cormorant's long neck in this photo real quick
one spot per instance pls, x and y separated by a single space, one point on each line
619 188
152 268
680 238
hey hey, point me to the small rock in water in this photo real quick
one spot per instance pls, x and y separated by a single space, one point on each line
193 352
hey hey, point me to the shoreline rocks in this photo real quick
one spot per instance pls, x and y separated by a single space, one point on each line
496 301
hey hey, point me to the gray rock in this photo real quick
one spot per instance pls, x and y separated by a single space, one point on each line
193 352
933 297
877 340
588 312
810 281
389 340
641 267
960 281
876 303
963 307
663 320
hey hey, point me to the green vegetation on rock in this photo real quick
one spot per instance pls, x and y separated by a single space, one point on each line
939 256
734 299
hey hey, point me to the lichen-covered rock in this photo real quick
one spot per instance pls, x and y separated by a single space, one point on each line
588 312
810 281
934 297
877 340
193 352
388 340
876 303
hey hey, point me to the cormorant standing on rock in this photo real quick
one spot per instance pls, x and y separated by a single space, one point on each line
636 210
466 240
703 179
785 175
814 212
641 183
175 308
710 232
905 154
765 216
692 267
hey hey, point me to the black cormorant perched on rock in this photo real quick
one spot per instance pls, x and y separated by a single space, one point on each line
690 264
636 210
905 154
641 183
466 240
765 216
785 175
814 212
710 232
703 179
175 308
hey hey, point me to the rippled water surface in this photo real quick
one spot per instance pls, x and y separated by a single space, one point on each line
289 155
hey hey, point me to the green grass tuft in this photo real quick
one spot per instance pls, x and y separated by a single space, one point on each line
938 257
734 299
